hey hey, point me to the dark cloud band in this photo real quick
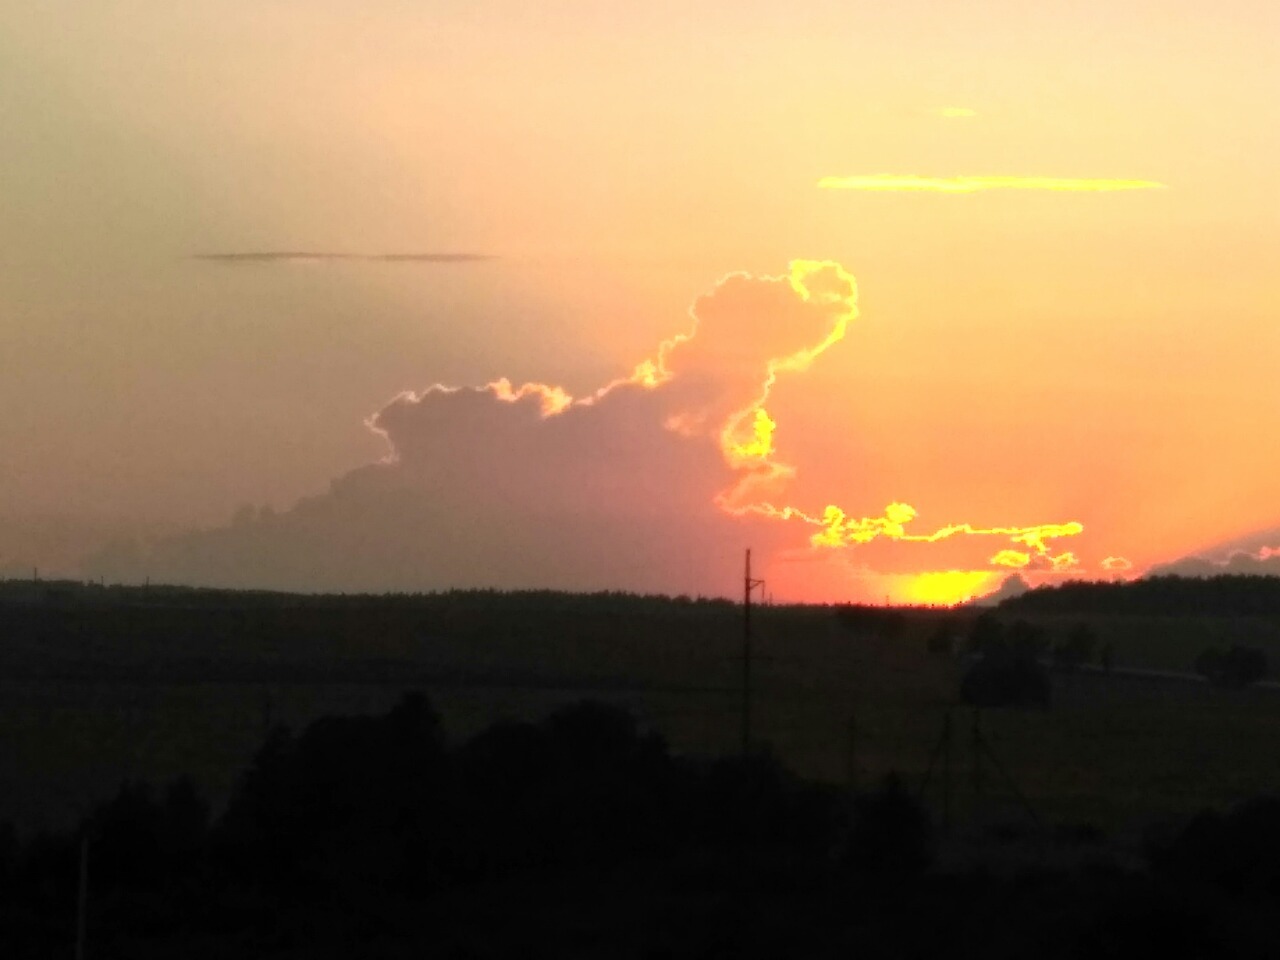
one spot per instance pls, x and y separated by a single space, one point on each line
310 256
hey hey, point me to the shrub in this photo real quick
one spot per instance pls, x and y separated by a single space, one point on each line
1003 678
892 834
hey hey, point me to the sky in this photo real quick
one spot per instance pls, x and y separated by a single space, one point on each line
1045 234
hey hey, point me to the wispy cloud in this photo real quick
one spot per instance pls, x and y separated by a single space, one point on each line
912 183
313 256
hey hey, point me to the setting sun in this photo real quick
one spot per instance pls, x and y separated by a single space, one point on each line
947 588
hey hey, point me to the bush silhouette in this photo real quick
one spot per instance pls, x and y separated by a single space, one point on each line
891 833
356 827
1026 640
1003 678
351 796
942 641
582 786
1239 851
1077 649
987 634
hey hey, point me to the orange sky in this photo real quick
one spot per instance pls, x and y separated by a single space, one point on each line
1021 355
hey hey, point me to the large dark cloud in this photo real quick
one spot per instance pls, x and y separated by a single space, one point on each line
522 487
309 256
487 493
1261 564
1255 553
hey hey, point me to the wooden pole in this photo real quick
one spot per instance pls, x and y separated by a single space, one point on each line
977 752
946 771
851 756
82 900
746 658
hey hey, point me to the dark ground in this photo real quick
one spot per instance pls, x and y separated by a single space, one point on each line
1050 853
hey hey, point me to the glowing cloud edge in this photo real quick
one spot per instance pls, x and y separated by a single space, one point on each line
745 438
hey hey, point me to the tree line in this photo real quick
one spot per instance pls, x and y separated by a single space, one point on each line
1230 595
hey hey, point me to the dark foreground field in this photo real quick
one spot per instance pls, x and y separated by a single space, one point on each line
582 835
1072 835
98 686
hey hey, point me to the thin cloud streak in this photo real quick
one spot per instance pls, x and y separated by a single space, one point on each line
305 256
911 183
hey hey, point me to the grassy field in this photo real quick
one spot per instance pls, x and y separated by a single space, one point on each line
93 699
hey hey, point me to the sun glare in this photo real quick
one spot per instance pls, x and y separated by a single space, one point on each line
948 588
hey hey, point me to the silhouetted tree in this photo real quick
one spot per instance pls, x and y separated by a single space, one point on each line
892 833
1239 851
583 786
987 634
351 797
1003 678
941 641
1078 648
887 624
1026 640
1228 595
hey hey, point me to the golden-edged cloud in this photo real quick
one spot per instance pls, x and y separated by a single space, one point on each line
666 464
912 183
749 331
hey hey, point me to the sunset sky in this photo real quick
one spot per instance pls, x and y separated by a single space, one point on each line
1014 265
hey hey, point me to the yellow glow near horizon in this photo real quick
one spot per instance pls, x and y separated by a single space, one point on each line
948 587
912 183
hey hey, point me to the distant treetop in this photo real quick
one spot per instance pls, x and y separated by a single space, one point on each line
1229 595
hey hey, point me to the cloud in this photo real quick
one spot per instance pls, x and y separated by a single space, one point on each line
1041 561
1014 585
656 481
911 183
1265 561
841 530
1254 553
527 486
304 256
1117 564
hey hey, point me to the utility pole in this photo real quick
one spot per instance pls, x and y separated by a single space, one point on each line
851 752
748 585
946 772
977 752
82 898
943 751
